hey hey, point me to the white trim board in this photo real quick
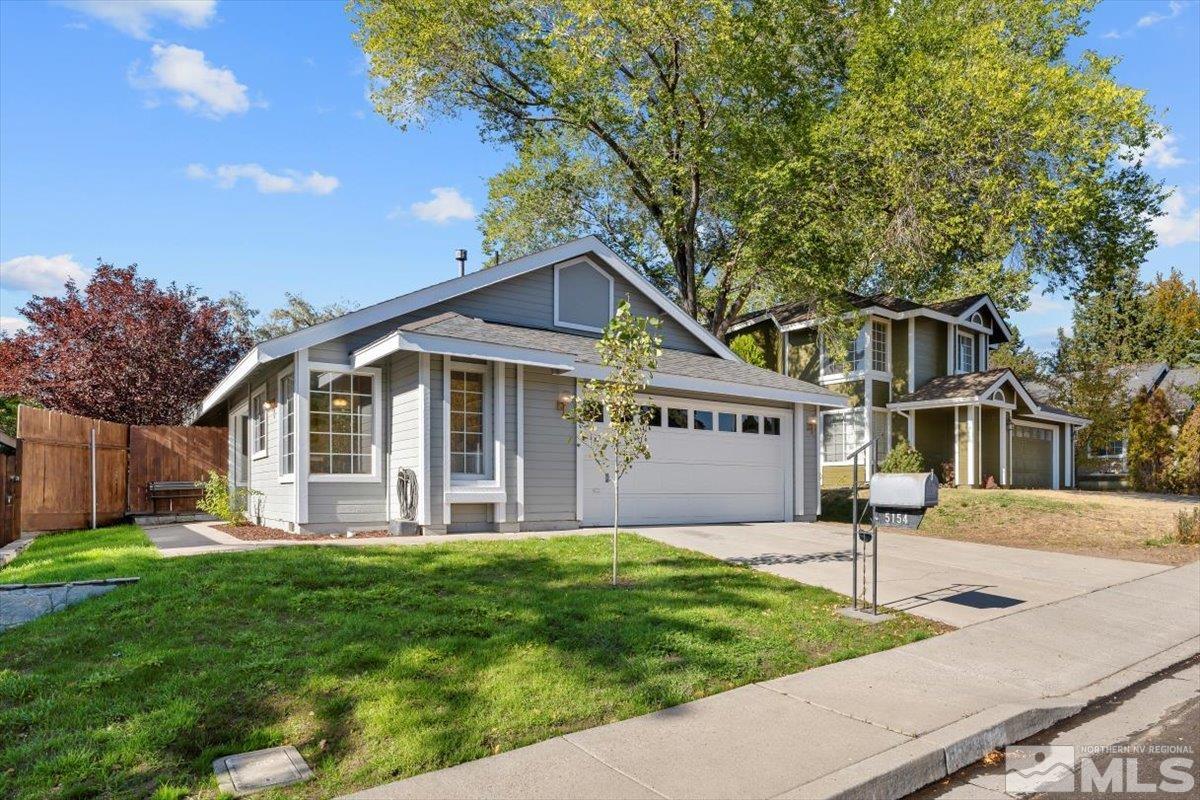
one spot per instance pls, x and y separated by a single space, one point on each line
463 348
439 292
663 380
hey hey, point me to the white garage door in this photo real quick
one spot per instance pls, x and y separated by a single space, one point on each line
708 463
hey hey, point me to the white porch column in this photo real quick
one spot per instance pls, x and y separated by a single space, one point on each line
300 389
912 427
1003 445
798 428
972 425
445 440
520 443
500 509
424 507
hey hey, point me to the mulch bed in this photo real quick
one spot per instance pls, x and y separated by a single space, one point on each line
252 533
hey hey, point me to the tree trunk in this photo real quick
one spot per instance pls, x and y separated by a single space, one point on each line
616 517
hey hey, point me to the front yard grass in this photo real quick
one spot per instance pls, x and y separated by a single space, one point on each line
378 662
1106 524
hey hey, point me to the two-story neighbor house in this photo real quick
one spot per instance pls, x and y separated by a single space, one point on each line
920 372
443 408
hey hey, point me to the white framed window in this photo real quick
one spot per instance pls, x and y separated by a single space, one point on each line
468 420
343 424
1115 449
966 352
286 403
855 358
879 346
258 423
842 432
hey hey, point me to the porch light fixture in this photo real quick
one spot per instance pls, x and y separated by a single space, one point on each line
564 402
811 424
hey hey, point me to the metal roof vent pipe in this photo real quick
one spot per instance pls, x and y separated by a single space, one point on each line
460 256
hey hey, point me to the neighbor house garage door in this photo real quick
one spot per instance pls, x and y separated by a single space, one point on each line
709 463
1033 457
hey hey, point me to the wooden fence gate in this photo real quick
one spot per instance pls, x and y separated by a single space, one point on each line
76 471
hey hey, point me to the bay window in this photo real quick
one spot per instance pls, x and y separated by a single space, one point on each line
287 424
341 423
842 432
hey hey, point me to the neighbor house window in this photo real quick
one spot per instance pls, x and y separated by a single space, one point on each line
466 422
258 424
287 425
1111 450
966 352
341 423
855 358
842 434
879 346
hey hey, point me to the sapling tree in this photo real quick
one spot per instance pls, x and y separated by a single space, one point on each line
629 350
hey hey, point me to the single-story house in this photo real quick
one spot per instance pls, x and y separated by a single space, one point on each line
442 410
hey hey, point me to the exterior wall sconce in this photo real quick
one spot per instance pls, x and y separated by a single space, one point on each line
811 424
564 402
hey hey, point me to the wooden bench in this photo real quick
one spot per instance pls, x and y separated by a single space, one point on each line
174 490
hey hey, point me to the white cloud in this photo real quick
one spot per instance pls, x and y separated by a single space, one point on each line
11 325
41 274
199 87
138 17
1045 304
1174 9
289 181
1179 224
1164 152
447 204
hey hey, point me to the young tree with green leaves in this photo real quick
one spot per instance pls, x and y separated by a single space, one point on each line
740 151
1151 444
630 352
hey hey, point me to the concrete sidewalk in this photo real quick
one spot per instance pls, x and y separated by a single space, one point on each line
880 726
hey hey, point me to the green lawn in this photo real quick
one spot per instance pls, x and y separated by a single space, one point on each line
377 663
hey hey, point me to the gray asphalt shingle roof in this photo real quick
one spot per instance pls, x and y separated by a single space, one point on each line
955 387
583 348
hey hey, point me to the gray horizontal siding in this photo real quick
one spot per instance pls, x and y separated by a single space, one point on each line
404 447
549 450
352 503
526 300
930 347
275 503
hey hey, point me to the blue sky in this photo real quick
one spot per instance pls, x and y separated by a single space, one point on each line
231 146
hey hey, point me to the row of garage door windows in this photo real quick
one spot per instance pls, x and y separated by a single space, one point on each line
701 420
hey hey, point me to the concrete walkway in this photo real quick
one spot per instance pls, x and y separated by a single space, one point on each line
879 726
202 538
958 583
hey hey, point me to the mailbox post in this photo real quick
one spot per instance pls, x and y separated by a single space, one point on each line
897 500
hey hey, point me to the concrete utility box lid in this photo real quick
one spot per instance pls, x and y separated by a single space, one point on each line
247 773
904 490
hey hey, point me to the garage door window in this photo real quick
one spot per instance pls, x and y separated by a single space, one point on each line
702 420
677 418
771 426
727 423
652 415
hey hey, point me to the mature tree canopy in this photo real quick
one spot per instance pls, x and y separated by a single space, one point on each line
294 314
1018 356
738 151
121 348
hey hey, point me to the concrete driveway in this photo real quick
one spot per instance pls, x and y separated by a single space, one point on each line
958 583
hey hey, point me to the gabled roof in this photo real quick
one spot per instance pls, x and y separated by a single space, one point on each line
975 387
1137 377
414 301
577 355
957 311
1174 385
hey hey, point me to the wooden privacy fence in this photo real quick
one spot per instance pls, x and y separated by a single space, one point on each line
76 471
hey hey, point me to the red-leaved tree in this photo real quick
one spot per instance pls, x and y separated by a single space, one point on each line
121 348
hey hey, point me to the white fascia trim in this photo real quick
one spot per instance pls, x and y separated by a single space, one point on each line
1035 409
239 373
665 381
1067 419
894 315
751 321
860 375
996 315
464 348
949 403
